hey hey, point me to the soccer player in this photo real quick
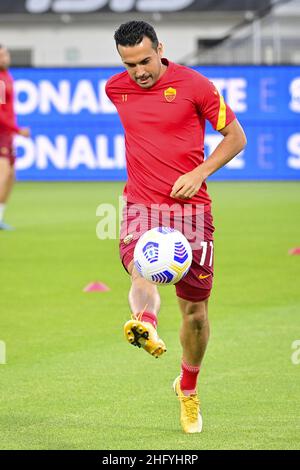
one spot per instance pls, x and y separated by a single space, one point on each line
163 107
8 128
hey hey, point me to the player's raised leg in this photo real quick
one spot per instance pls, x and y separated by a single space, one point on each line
194 337
7 178
144 301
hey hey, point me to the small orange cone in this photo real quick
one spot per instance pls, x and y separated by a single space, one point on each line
295 251
96 287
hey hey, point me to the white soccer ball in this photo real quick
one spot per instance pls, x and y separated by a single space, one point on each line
163 255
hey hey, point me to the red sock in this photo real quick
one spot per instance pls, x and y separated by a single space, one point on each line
188 378
150 318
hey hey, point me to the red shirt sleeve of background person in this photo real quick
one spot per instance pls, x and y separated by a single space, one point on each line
7 114
211 104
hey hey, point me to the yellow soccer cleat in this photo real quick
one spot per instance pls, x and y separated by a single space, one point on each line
190 416
144 335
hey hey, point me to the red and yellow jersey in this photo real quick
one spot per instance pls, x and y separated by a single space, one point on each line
164 130
7 115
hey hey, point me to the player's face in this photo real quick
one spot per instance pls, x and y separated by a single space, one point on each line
143 63
4 58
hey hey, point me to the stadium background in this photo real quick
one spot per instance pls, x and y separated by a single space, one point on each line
63 52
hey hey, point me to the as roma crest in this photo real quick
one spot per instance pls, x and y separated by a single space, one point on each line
170 94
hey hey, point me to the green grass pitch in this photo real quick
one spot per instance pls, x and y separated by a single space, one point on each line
72 382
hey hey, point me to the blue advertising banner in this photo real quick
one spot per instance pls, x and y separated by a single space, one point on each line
77 135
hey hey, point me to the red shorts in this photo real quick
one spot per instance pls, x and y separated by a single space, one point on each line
7 149
197 284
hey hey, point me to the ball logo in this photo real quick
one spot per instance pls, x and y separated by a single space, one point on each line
163 278
165 230
170 94
180 253
150 251
138 267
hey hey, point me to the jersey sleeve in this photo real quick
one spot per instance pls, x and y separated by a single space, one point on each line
7 122
211 105
108 89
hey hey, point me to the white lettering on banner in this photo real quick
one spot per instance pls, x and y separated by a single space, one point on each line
58 97
237 163
267 91
265 148
121 6
161 5
42 152
64 6
31 92
235 92
295 95
120 152
86 6
106 162
44 96
82 153
48 152
37 6
84 98
102 151
293 146
107 106
27 147
213 140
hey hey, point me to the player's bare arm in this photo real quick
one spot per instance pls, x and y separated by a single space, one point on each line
234 141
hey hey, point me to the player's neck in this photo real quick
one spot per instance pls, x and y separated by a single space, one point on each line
163 70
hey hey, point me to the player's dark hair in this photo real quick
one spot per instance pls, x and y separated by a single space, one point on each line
133 32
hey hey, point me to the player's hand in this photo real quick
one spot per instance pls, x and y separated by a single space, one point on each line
187 185
24 132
